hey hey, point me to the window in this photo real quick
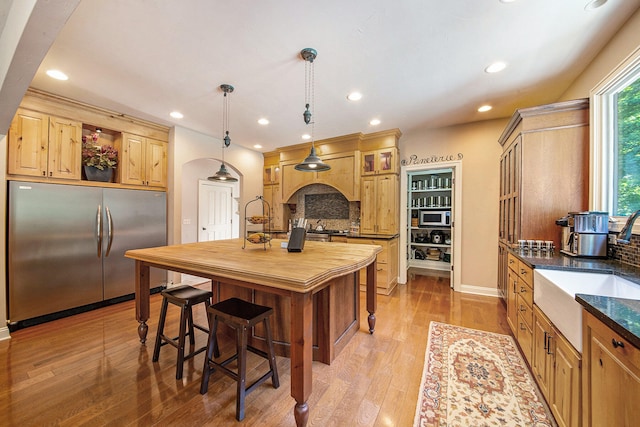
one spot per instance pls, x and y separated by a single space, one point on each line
615 140
627 145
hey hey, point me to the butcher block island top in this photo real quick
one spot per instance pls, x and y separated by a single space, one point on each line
275 267
314 294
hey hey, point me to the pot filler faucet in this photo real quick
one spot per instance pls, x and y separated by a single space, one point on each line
625 234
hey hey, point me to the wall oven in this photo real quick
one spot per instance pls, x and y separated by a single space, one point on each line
431 218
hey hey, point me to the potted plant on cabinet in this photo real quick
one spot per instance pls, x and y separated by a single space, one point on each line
98 160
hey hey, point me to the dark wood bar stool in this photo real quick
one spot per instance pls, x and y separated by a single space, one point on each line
184 297
241 316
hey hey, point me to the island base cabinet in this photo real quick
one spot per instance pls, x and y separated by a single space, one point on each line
336 314
611 376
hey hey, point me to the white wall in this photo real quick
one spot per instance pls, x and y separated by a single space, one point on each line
195 156
478 144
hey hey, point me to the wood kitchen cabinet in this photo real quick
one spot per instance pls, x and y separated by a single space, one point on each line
379 204
279 220
381 161
341 176
520 303
272 193
386 263
44 146
544 148
556 366
610 376
143 161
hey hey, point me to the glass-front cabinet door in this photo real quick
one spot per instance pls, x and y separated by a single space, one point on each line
379 161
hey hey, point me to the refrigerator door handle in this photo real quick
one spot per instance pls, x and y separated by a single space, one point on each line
99 230
109 230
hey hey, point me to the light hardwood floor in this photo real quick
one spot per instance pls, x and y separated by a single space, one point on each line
90 369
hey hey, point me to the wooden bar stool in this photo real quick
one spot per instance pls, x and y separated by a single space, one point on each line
184 297
241 316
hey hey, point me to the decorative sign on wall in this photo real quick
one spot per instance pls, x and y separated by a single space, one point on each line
414 160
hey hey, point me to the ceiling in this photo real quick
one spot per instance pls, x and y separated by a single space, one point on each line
418 63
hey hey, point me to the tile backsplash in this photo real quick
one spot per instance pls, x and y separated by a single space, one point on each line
628 254
339 220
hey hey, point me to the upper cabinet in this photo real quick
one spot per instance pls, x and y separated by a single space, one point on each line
341 177
44 146
46 134
380 161
379 205
544 149
143 161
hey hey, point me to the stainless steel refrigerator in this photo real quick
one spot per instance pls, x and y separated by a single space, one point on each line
66 244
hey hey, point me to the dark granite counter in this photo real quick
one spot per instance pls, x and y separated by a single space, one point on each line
558 261
621 315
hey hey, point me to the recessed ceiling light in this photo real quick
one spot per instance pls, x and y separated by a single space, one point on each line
594 4
306 136
354 96
374 122
57 74
507 1
495 67
263 121
257 146
176 114
484 108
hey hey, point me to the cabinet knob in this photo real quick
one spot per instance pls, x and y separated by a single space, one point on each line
523 308
523 271
616 343
523 289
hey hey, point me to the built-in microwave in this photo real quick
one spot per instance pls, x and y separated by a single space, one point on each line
428 218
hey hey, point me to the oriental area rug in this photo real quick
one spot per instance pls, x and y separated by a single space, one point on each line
479 379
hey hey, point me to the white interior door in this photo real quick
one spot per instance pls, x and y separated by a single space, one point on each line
215 211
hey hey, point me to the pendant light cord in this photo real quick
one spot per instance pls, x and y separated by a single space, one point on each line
310 93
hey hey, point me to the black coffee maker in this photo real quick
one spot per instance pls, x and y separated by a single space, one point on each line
437 237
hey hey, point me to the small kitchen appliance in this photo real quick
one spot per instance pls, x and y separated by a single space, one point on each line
430 218
584 234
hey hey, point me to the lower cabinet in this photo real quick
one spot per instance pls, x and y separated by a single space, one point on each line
556 367
520 303
611 376
387 263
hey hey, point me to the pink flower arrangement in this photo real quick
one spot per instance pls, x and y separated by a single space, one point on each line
98 156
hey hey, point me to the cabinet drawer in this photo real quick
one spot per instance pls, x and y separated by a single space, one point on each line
525 311
525 272
513 262
626 352
383 256
525 338
525 292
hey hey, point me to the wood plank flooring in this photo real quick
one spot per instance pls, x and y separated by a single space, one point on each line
90 369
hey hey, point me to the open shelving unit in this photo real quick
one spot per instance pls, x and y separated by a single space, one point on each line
429 191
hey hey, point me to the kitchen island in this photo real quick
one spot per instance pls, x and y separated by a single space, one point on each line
314 282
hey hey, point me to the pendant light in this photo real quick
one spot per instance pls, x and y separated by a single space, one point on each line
312 163
223 174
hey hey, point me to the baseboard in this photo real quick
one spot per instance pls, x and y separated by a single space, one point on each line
4 333
477 290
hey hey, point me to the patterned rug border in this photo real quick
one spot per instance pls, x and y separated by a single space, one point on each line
550 421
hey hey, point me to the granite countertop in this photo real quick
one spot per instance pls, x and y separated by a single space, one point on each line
621 315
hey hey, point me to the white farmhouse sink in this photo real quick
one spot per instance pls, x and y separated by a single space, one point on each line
554 292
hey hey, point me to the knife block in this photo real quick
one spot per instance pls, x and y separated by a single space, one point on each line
296 240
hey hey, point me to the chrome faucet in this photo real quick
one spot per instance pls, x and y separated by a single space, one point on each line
624 237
